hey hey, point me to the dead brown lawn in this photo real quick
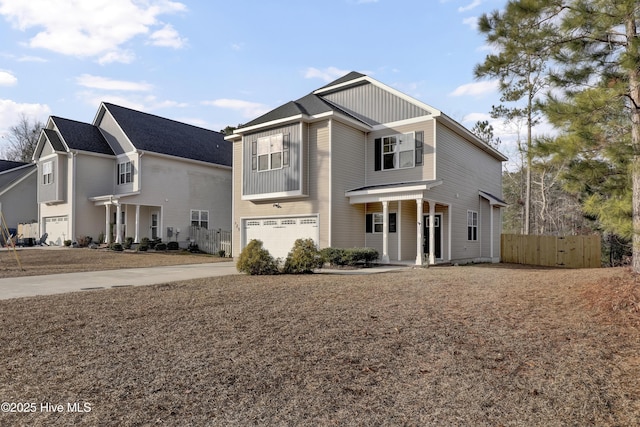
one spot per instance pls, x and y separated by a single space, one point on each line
479 345
53 260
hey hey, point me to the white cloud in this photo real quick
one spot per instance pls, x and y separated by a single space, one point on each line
472 5
328 74
471 22
168 37
247 109
10 112
123 56
104 83
476 89
96 28
7 79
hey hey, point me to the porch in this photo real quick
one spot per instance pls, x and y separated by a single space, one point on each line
129 220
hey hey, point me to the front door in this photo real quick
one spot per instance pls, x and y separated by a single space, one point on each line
438 235
154 225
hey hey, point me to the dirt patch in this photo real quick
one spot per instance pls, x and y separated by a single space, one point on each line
481 345
38 261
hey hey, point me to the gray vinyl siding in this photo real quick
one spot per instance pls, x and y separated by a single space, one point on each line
273 181
347 172
375 105
418 173
56 191
46 149
464 169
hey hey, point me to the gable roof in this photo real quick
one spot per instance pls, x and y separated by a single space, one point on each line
148 132
12 172
78 136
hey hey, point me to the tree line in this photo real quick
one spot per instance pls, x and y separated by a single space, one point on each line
575 63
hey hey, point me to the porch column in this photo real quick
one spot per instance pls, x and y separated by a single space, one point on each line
107 225
118 223
137 238
432 232
385 232
419 235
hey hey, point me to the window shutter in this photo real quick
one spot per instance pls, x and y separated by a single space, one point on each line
369 222
378 154
254 155
392 222
419 148
285 150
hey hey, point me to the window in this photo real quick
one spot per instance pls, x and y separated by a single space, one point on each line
374 222
199 218
124 173
472 225
270 152
400 151
47 173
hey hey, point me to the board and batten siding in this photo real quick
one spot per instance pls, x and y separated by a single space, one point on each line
347 173
273 181
419 173
464 169
316 160
375 105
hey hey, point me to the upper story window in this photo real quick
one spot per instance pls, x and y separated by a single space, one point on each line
47 172
400 151
472 225
199 218
270 152
125 174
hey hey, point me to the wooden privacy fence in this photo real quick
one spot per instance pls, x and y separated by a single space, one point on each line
211 241
552 251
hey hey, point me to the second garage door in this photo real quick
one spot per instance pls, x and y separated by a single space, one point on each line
57 229
279 234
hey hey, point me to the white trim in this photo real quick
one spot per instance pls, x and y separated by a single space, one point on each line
243 219
435 150
441 227
403 122
492 200
399 228
354 200
330 157
184 159
471 137
295 118
384 190
271 196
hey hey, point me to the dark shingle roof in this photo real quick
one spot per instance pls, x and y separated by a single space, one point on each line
5 165
11 175
148 132
55 140
80 136
351 76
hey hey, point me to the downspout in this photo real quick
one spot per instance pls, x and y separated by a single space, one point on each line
72 197
330 181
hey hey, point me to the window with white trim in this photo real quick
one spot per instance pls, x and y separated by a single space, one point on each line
270 153
374 222
47 172
199 218
125 174
398 151
472 225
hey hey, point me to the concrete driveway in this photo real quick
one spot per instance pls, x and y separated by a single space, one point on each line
18 287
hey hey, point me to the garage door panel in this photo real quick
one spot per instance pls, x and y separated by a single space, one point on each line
279 234
57 229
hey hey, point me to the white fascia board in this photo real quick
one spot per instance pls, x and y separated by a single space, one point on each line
273 196
384 190
234 137
343 84
272 123
475 140
492 200
182 159
402 122
109 198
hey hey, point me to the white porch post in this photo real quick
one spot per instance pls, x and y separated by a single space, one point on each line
137 238
385 232
419 235
432 232
118 223
107 231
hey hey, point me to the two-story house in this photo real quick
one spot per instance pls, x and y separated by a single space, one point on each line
357 163
131 174
17 193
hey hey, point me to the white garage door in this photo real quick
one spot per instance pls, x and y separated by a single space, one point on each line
57 228
279 234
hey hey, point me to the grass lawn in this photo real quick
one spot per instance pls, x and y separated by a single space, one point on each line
489 345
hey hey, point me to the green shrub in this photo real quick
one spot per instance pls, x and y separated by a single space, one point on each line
160 246
350 256
334 256
67 243
256 260
142 248
303 258
116 247
128 241
173 246
221 253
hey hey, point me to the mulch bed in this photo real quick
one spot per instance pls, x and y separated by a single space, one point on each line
481 345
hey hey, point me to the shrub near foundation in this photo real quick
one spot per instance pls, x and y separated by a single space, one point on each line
303 258
256 260
349 256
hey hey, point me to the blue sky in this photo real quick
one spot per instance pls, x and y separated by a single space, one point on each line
218 63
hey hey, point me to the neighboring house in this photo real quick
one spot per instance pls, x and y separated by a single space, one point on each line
131 174
18 202
357 163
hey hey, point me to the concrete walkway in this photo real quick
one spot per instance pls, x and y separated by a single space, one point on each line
18 287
